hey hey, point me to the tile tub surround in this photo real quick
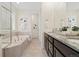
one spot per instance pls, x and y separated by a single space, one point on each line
15 49
72 43
16 36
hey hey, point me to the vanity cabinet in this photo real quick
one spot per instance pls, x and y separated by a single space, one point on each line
56 48
65 50
48 43
57 53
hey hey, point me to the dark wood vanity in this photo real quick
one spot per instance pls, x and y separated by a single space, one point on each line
56 48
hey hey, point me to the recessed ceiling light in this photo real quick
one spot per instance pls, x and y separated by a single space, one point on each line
18 2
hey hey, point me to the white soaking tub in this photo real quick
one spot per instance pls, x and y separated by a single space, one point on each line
17 46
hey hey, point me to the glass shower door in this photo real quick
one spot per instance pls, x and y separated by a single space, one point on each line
5 24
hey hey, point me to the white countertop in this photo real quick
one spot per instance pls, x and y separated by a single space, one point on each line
73 43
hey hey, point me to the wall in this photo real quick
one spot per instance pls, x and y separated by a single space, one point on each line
0 39
47 15
52 15
14 8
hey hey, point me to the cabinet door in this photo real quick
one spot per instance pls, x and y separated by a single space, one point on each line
66 50
50 48
49 54
46 42
51 45
57 53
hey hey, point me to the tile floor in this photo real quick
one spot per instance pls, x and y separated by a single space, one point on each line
34 50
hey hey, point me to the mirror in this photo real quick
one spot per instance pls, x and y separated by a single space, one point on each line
71 18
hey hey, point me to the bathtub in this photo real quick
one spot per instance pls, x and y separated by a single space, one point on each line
17 46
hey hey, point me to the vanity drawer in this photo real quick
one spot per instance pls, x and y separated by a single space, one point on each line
65 50
51 48
51 39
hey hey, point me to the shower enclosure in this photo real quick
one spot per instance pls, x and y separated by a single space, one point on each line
10 39
5 25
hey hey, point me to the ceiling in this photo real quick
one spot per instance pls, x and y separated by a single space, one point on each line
29 6
72 5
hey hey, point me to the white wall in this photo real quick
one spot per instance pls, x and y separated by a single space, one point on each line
0 39
52 15
13 9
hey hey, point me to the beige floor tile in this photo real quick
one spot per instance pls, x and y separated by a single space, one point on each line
34 50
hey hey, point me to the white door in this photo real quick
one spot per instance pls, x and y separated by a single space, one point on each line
35 31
